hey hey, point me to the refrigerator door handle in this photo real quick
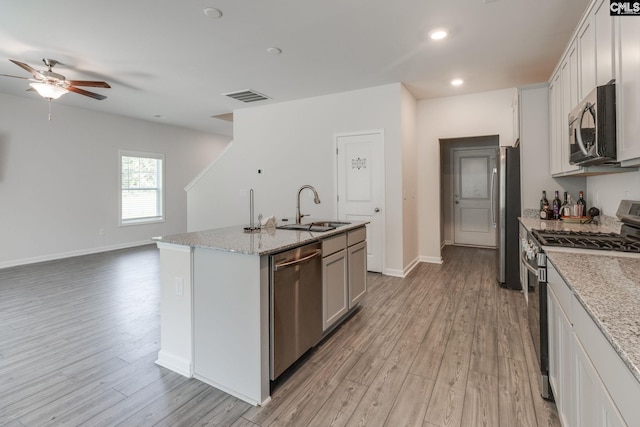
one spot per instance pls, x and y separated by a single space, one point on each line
494 175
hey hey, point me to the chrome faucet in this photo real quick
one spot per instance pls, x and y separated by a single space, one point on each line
316 200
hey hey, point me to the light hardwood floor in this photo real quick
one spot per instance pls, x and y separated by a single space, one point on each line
442 347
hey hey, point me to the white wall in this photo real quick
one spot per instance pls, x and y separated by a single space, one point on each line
486 113
292 143
606 191
410 239
59 178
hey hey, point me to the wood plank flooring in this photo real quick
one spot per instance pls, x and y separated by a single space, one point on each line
444 346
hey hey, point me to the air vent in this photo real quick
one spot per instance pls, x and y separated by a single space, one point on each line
247 95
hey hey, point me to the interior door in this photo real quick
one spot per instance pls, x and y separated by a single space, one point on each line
360 182
474 223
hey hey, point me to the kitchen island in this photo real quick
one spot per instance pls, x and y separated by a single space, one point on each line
214 306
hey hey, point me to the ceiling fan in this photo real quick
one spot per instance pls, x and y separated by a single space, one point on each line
52 85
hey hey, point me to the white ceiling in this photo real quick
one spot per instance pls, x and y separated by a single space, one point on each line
168 58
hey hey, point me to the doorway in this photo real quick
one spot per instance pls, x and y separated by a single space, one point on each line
466 166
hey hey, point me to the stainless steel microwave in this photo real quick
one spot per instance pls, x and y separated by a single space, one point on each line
592 128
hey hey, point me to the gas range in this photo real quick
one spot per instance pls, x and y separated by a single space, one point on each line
627 241
587 240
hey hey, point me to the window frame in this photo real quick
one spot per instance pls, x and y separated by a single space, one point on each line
146 220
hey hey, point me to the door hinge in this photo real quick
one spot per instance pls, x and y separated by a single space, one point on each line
336 150
338 197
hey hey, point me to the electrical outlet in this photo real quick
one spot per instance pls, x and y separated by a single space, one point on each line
179 286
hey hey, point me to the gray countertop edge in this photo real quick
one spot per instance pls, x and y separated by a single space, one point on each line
219 238
554 255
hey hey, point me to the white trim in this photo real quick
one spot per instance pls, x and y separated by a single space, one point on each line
176 364
413 264
431 259
195 180
393 272
70 254
162 185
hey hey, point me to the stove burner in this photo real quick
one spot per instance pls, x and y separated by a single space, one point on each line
586 240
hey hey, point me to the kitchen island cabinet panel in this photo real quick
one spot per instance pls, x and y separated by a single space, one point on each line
231 321
357 256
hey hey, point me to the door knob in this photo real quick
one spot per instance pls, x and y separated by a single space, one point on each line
376 210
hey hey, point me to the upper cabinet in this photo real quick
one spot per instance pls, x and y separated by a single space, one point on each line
594 57
627 62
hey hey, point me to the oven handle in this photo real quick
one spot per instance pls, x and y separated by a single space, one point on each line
529 266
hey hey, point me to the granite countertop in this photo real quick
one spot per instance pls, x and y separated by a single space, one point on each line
608 287
265 242
607 284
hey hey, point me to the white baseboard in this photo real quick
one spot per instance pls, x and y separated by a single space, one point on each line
431 259
70 254
175 364
393 272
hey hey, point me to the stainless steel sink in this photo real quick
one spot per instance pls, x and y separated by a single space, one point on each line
333 224
316 226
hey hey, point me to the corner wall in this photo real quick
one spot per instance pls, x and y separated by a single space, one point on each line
486 113
59 178
292 144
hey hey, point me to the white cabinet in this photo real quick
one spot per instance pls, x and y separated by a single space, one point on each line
603 42
590 382
344 274
594 407
334 280
357 256
627 61
587 58
560 345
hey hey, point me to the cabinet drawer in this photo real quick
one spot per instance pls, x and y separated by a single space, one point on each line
561 291
334 244
356 236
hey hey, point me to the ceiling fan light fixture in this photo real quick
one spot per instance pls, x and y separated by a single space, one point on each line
48 91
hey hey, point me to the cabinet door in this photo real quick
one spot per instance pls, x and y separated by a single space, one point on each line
357 272
594 406
604 43
560 358
555 112
628 87
335 301
587 58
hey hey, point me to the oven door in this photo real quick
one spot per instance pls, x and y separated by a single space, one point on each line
537 311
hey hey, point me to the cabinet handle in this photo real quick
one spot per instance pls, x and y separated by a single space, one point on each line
376 210
285 264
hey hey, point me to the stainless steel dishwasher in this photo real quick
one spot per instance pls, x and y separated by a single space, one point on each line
296 305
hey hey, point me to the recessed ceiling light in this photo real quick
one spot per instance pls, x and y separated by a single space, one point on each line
457 82
438 34
212 12
274 51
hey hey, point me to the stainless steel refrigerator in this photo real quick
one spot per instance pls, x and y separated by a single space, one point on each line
507 208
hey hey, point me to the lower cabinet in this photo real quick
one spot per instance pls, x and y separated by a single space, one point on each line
344 274
334 288
357 272
591 384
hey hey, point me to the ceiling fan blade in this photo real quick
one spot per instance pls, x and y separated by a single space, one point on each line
35 73
17 77
88 83
86 93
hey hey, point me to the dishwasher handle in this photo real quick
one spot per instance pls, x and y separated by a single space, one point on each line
286 264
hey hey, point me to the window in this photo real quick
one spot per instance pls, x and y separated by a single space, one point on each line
141 187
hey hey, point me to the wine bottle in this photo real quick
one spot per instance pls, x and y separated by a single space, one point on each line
556 206
582 204
544 206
